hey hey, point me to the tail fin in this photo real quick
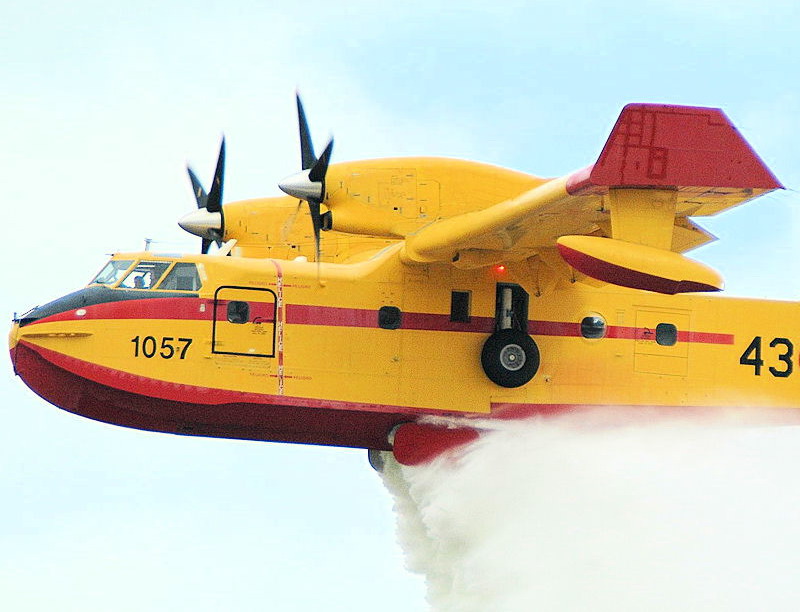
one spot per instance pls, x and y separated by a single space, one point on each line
665 146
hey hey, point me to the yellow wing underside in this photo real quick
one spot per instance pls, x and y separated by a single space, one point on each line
524 225
660 166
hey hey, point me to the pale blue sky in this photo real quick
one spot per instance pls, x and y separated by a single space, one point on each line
104 102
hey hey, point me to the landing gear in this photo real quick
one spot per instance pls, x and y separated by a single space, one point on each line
510 358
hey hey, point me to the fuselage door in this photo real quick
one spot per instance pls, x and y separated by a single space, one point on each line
244 322
659 348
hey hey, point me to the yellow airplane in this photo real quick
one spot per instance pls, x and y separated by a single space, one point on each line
442 288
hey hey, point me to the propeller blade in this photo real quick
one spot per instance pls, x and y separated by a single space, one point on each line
207 221
309 184
317 174
215 238
197 187
316 221
320 168
288 225
307 157
214 200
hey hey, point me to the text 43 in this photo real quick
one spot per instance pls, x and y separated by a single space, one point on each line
779 357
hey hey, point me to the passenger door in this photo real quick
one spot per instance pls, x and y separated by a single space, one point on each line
244 322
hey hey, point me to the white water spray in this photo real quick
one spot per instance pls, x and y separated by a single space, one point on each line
557 515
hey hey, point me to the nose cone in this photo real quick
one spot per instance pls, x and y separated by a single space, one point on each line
202 223
13 337
301 186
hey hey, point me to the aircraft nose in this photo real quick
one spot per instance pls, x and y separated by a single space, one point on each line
13 338
13 335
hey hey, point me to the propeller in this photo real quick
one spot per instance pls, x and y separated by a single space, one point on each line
309 184
207 221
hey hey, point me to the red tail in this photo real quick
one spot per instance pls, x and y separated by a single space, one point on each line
657 145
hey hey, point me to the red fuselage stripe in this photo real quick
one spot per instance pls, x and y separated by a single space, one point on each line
331 316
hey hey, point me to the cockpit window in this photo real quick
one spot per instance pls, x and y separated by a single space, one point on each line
145 275
183 277
112 272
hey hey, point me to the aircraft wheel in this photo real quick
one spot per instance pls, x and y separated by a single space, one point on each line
510 358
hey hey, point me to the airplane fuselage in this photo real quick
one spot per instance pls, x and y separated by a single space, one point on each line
341 354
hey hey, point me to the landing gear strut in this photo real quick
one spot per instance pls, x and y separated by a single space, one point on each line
510 357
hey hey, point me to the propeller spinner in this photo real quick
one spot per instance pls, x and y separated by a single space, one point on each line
309 184
207 221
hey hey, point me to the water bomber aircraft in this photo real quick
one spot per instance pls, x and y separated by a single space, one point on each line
378 295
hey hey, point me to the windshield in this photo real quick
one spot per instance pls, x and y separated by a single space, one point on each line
150 275
183 277
112 272
145 275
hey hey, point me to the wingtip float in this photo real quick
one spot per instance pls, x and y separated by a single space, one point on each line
445 288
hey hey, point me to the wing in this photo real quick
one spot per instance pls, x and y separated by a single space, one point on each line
661 165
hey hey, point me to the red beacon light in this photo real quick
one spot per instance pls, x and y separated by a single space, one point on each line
499 270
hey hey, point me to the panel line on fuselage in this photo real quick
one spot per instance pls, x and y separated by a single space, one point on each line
279 316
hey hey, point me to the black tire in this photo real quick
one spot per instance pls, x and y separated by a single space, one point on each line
510 358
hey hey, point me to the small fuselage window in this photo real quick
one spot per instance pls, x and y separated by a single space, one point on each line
238 312
666 334
593 326
112 272
389 317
